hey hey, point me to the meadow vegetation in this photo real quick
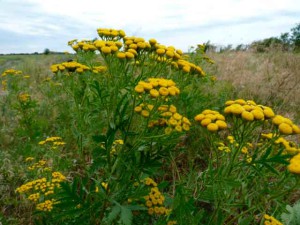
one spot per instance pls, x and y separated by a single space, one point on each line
129 131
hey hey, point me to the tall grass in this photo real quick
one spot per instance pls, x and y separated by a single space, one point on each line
273 78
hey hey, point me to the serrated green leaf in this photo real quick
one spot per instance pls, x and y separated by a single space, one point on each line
126 215
114 213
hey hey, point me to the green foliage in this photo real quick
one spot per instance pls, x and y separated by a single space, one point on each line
292 216
295 37
46 51
285 42
123 122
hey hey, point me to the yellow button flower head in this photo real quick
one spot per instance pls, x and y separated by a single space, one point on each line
170 53
247 116
138 109
178 128
294 168
133 51
296 129
154 93
221 124
163 91
237 109
278 119
240 101
268 112
227 110
212 127
114 48
177 116
106 50
229 102
129 55
164 83
205 122
121 55
258 114
152 41
147 86
212 117
139 88
199 117
285 128
270 220
122 33
186 68
133 46
128 42
248 107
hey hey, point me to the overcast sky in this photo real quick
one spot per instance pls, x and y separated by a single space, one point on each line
28 26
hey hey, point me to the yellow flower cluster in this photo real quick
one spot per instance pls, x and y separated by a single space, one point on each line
136 45
212 120
223 147
84 45
69 67
58 177
157 87
175 57
99 69
155 199
24 97
115 145
133 47
28 159
110 34
174 120
144 109
285 125
34 197
46 206
248 110
244 150
233 143
270 220
42 188
169 117
107 47
42 184
294 166
290 147
31 185
188 67
41 164
11 72
164 52
56 141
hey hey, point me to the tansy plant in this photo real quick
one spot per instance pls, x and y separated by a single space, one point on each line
144 148
240 151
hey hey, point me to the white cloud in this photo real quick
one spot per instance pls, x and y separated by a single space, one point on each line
179 21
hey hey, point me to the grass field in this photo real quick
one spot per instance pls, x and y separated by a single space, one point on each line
151 137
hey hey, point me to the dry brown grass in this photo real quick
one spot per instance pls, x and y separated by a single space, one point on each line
272 78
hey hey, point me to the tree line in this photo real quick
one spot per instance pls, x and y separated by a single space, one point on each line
289 41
